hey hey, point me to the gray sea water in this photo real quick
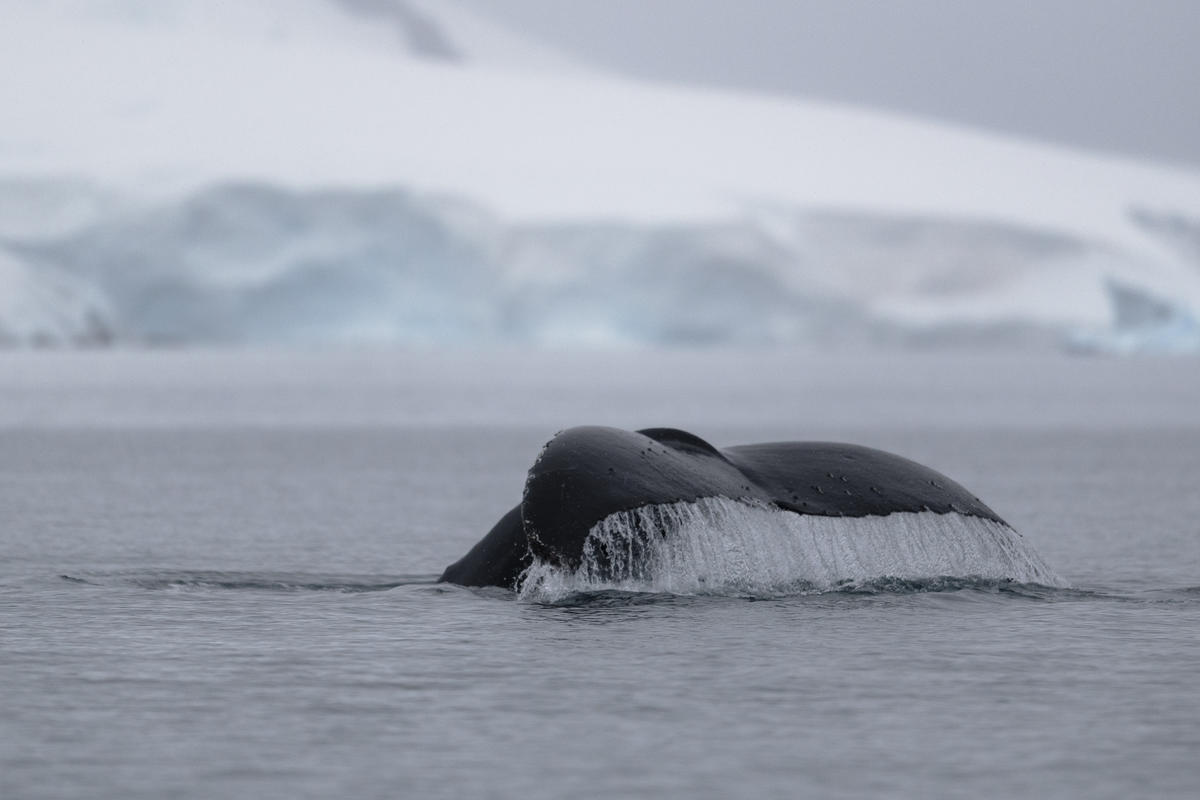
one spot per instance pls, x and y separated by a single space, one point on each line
217 580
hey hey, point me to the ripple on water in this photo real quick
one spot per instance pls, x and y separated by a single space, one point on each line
182 580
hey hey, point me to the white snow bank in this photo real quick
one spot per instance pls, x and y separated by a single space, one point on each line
319 96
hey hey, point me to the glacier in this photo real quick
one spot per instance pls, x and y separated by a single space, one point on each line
45 307
340 171
259 264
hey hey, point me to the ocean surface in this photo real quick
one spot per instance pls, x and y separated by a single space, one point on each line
217 579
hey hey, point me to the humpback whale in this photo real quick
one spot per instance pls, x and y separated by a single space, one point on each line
586 475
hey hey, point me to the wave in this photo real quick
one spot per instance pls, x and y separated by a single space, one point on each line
251 581
966 589
717 546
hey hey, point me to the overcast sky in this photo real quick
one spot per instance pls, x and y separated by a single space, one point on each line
1119 75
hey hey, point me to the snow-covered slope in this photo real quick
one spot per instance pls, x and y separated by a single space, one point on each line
45 308
581 186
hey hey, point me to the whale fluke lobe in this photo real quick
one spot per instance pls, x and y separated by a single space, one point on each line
589 479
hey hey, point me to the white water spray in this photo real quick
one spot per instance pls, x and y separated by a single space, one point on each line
727 547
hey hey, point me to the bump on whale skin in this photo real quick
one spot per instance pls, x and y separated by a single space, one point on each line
585 474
